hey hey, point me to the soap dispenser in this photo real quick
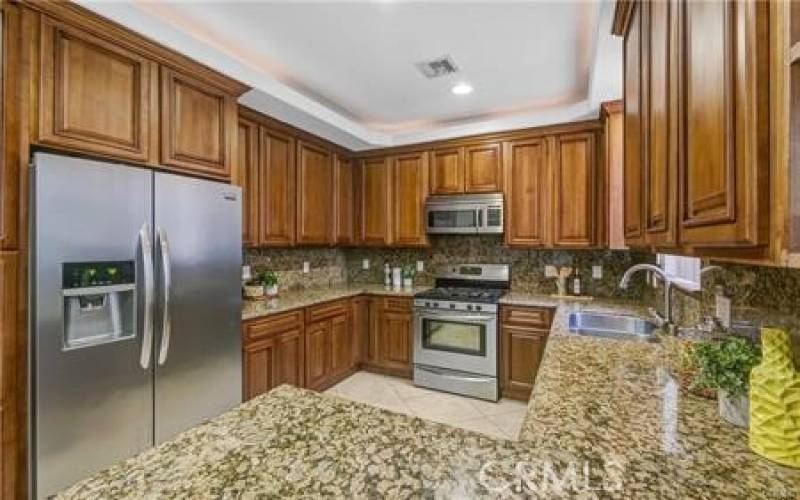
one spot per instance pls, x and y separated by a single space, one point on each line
387 275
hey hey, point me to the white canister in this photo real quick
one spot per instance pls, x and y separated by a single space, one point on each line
397 277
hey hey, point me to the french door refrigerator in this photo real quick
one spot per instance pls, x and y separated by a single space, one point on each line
136 311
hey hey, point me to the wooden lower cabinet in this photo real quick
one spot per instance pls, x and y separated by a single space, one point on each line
329 344
317 354
318 346
389 340
523 337
273 353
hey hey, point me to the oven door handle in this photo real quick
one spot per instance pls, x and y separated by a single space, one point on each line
464 318
450 374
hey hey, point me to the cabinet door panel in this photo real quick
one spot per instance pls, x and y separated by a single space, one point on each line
447 171
344 197
632 95
259 368
483 168
198 122
574 190
527 192
276 188
95 96
290 359
522 354
314 195
661 166
395 340
341 345
410 192
247 177
724 187
317 354
376 202
359 310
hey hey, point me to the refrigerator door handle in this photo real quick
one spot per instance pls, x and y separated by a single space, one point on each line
149 289
166 267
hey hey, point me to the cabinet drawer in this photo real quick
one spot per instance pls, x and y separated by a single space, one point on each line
327 310
263 328
527 316
399 304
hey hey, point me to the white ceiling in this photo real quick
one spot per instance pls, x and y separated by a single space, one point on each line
345 70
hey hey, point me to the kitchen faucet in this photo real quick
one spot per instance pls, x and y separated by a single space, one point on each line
666 320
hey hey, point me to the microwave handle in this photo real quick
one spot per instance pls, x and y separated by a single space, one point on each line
480 217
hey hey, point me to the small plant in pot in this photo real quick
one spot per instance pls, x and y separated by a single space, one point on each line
270 281
408 277
725 365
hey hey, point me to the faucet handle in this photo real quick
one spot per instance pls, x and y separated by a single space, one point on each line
657 317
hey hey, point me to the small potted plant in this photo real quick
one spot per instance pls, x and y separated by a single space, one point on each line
725 365
270 281
408 277
254 288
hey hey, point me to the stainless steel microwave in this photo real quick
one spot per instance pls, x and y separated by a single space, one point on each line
465 214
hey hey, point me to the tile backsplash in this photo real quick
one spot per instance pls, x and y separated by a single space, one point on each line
527 266
327 265
332 266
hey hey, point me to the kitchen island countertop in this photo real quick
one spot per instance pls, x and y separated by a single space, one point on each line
605 419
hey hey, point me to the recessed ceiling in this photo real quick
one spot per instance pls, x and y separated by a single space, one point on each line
347 70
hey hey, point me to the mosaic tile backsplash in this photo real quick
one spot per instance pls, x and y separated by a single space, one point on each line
327 265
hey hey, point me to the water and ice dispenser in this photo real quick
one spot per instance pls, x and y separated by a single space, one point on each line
99 302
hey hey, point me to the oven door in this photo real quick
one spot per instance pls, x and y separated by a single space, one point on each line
453 218
456 340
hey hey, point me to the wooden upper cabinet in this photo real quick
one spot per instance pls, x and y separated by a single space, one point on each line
661 167
247 178
632 101
447 171
724 189
315 205
344 199
483 168
276 180
198 124
527 192
410 192
375 193
96 97
575 190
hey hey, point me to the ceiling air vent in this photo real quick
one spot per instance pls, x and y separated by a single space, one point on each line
440 66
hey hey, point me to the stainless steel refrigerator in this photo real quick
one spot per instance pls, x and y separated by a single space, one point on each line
136 311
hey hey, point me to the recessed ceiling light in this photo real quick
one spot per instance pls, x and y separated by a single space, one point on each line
462 89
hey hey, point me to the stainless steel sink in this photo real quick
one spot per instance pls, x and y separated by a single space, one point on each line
615 326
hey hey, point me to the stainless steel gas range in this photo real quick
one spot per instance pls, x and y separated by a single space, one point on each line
455 331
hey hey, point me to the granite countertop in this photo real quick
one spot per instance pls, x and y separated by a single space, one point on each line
306 297
605 420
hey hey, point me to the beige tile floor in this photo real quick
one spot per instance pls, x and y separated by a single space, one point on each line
500 420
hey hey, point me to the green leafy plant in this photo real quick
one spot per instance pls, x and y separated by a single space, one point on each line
269 278
725 364
408 272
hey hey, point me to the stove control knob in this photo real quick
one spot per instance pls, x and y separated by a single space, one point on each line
469 307
435 304
427 304
452 306
478 308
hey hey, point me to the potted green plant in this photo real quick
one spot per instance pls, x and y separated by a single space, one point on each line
270 282
725 365
408 277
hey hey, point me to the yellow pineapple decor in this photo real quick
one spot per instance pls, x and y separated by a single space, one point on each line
775 401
